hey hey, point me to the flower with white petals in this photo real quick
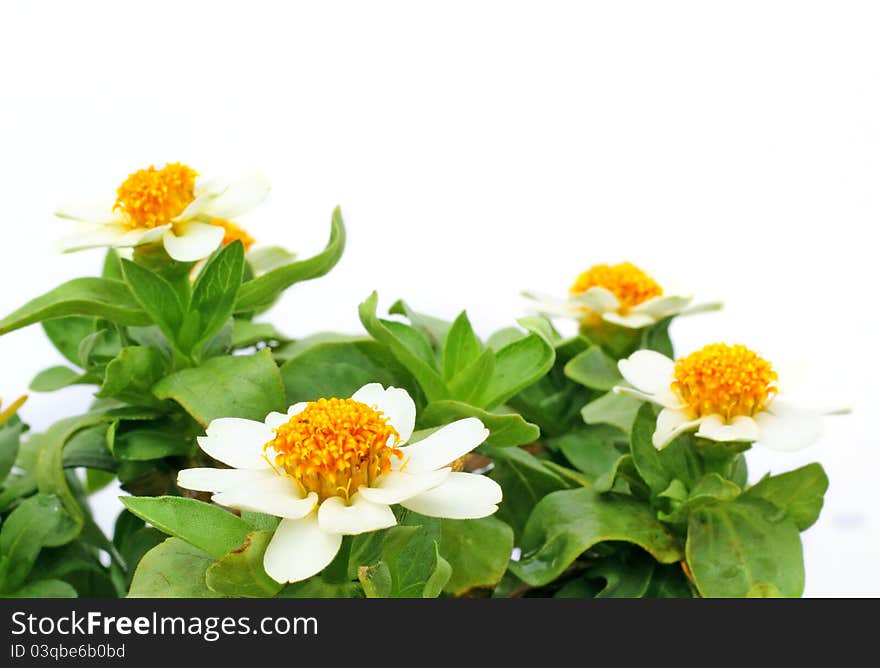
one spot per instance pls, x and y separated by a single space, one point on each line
168 205
334 467
621 294
724 392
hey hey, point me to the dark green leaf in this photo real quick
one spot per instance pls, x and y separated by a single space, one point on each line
88 448
27 529
173 569
156 297
517 366
800 493
477 551
44 589
592 450
10 436
240 573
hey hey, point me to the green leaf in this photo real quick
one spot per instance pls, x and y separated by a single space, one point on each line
67 333
658 468
594 369
800 493
734 547
412 567
214 294
266 258
99 297
624 579
409 347
441 571
88 448
317 587
340 369
524 481
260 292
505 430
435 329
143 441
260 521
461 348
10 437
656 338
240 573
592 450
618 410
156 297
27 529
56 377
517 366
504 337
207 527
477 551
469 383
246 333
566 524
44 589
245 386
130 376
173 569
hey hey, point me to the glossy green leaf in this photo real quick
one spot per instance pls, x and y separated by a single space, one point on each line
461 348
260 292
624 579
505 429
658 468
99 297
593 368
214 294
240 573
592 450
403 343
88 448
800 493
143 441
157 297
517 366
207 527
733 547
173 569
477 551
24 533
131 375
246 386
566 524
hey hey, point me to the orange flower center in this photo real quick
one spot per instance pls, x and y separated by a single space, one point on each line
724 380
627 282
334 446
153 197
233 233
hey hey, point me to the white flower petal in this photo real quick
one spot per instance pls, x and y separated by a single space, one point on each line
195 241
239 196
630 320
549 305
204 199
741 428
671 423
788 431
395 486
237 442
661 307
648 371
275 419
299 549
702 308
394 402
220 480
444 446
99 212
280 496
334 516
597 299
462 496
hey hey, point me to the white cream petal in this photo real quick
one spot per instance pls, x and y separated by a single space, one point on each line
648 371
361 516
396 486
237 442
195 241
462 496
741 428
661 307
239 196
597 299
394 402
299 549
279 496
789 431
275 419
92 237
221 480
671 423
553 306
444 446
98 212
204 199
630 320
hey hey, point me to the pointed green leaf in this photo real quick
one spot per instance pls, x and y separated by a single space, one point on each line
173 569
505 430
800 493
240 573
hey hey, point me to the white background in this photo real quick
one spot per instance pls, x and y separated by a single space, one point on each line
480 148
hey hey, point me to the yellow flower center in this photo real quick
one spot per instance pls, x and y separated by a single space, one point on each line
627 282
233 233
724 380
334 446
153 197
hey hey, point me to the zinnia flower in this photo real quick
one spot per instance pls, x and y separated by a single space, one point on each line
334 467
725 393
191 219
621 294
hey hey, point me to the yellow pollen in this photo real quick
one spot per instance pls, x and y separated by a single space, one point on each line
153 197
233 233
627 282
334 446
724 380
